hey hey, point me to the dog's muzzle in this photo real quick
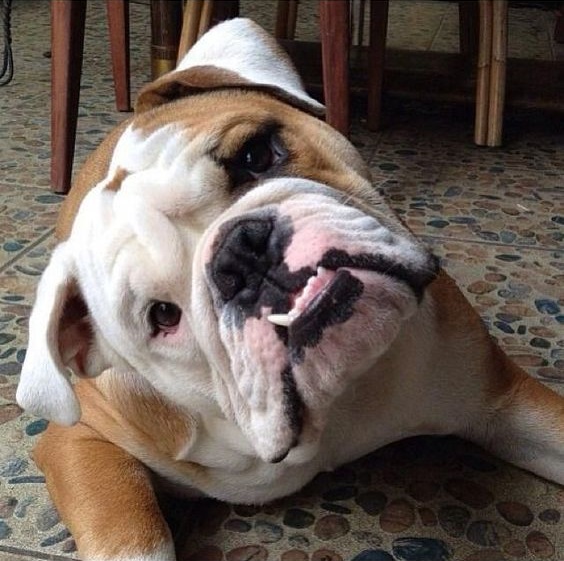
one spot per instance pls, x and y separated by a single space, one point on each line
248 268
307 293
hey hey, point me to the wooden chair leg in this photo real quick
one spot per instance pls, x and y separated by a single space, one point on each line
118 24
376 61
67 42
166 22
334 31
190 26
498 72
205 17
286 16
483 73
292 18
281 26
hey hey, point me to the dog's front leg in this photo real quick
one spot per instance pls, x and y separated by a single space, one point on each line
524 421
104 496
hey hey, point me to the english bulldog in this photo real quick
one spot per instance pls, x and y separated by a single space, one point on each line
242 310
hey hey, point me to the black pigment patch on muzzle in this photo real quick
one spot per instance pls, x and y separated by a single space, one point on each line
333 306
417 278
293 409
248 269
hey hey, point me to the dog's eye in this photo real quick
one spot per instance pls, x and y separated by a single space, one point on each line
257 156
164 316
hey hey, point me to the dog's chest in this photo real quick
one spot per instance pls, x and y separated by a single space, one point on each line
231 470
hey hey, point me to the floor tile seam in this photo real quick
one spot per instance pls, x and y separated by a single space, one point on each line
487 243
429 47
24 252
35 554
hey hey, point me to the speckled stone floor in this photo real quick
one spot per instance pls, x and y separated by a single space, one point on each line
496 219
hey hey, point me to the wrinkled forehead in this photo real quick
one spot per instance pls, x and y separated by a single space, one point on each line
129 221
168 180
165 184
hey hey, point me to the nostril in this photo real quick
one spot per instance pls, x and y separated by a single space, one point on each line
242 257
251 237
229 284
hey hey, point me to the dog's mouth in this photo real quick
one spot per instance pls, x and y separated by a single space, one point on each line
313 295
334 288
326 299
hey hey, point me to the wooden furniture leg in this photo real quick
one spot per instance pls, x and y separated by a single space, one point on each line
118 24
498 72
483 73
334 31
491 78
190 26
67 41
68 19
197 20
166 23
286 16
376 61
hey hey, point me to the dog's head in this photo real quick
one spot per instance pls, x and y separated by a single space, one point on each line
235 256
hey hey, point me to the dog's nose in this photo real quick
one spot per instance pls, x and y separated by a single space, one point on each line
243 258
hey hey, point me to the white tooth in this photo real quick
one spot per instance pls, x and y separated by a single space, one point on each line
321 271
280 319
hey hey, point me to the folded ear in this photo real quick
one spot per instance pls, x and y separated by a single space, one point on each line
60 338
237 53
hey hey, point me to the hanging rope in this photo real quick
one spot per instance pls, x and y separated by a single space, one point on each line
7 71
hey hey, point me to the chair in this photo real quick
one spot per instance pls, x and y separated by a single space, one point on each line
67 43
68 19
489 45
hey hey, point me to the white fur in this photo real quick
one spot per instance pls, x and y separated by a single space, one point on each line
44 386
241 46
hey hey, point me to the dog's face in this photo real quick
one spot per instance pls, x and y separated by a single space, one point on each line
237 258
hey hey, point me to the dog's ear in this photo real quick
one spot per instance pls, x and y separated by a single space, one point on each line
237 53
60 341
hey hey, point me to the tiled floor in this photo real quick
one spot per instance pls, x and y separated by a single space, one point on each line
495 217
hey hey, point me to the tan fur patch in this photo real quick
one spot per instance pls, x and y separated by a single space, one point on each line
117 180
198 79
93 483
